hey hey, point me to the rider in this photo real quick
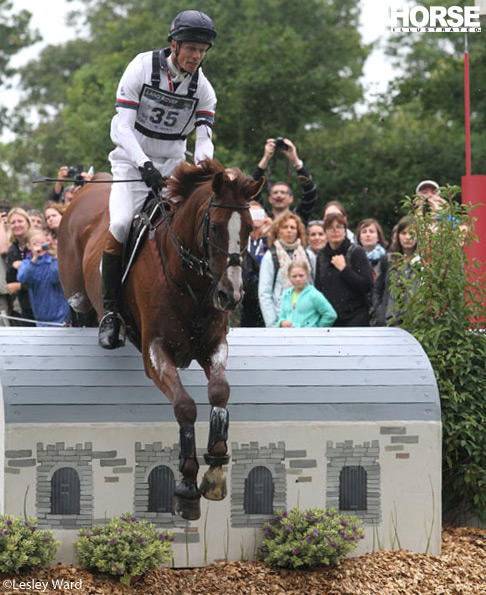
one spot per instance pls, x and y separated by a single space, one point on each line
161 97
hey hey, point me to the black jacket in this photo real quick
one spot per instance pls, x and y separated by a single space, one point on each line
347 290
16 253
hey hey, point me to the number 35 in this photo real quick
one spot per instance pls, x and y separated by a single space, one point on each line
158 115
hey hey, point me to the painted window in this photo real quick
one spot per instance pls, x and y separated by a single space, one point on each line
352 488
161 490
65 492
259 491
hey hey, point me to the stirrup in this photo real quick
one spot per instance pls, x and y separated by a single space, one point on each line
123 331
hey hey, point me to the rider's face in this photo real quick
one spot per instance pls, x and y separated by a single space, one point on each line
190 54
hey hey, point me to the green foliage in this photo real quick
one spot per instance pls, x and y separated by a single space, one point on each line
315 537
400 151
445 310
23 546
15 35
124 547
267 68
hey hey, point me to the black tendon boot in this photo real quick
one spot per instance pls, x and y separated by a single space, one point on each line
218 430
186 492
111 321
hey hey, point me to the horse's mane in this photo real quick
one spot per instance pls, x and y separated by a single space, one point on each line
186 177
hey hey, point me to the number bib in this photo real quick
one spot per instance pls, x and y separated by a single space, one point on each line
164 115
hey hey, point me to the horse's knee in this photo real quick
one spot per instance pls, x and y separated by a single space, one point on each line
185 411
80 302
218 391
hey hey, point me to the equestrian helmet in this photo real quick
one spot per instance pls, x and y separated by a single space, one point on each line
192 25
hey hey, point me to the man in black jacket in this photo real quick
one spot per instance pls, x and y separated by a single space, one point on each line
281 196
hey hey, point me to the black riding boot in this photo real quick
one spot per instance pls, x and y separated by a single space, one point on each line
111 321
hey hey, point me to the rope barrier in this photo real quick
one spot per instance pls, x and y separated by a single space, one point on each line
5 316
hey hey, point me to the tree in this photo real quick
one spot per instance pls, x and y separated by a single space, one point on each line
276 68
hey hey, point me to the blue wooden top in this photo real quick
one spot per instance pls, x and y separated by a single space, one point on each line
356 374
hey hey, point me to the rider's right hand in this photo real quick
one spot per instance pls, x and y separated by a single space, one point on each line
152 176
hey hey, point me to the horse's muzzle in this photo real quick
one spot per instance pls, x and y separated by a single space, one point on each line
229 291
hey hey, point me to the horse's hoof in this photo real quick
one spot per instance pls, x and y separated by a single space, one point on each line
190 510
213 484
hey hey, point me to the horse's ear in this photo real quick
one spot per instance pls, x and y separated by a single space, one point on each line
217 184
254 188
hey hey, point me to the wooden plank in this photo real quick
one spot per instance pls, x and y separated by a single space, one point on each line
248 363
254 413
283 378
259 351
264 337
303 395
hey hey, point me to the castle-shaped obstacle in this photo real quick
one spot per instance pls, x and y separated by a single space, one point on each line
348 418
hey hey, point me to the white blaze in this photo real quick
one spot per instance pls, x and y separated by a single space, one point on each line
234 246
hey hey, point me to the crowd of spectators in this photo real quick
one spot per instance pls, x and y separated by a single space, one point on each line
297 272
357 274
30 289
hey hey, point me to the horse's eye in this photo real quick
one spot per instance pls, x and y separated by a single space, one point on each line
216 228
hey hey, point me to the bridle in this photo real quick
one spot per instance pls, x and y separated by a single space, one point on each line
201 266
235 259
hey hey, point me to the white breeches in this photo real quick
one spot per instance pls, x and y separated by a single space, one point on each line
128 198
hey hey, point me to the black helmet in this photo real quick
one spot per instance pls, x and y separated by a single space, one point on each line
192 25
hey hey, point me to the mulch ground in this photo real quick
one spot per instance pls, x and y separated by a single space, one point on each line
460 570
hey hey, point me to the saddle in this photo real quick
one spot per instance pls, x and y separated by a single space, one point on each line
144 222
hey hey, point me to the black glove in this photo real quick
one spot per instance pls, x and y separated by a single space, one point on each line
152 176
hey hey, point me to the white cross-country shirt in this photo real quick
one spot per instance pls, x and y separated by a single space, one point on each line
151 124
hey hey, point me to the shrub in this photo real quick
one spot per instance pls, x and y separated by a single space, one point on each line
124 547
315 537
23 545
444 308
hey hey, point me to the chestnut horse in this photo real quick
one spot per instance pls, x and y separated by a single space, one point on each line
185 279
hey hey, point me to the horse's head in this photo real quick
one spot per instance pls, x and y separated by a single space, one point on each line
226 227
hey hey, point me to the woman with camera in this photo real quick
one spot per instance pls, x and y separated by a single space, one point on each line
39 273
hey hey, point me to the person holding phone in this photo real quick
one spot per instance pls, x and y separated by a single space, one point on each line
281 196
39 273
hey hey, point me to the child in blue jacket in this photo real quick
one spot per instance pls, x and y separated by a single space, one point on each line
41 276
304 306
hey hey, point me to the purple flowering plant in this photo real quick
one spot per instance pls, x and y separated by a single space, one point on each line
124 547
313 537
23 545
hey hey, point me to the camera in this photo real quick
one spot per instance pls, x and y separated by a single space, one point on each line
281 144
75 174
45 246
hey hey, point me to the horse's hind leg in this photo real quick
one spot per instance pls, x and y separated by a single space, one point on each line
165 375
213 484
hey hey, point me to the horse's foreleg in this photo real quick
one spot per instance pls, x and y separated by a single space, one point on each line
164 373
213 485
